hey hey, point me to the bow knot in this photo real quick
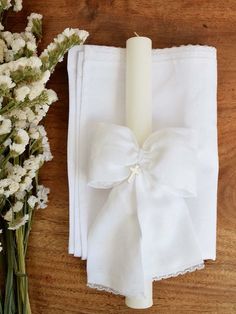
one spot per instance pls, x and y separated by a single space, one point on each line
167 158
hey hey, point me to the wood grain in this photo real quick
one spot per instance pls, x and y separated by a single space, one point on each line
57 280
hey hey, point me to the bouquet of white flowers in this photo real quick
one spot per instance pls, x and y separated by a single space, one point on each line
24 146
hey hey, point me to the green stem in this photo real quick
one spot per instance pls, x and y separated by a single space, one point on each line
4 162
9 304
29 224
4 138
21 104
22 281
11 105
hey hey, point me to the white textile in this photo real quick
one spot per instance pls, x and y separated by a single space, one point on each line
184 96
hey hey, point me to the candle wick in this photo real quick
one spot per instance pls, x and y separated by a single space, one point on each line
136 34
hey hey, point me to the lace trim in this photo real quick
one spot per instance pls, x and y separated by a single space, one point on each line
103 288
183 272
156 278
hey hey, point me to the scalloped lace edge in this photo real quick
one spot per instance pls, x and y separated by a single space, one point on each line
155 278
182 272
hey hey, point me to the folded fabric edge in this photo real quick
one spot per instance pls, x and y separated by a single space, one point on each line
158 278
72 74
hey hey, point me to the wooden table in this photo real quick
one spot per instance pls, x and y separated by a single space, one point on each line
57 280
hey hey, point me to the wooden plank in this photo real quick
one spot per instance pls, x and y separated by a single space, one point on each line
57 280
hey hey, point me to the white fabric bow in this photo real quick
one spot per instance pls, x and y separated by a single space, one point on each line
144 231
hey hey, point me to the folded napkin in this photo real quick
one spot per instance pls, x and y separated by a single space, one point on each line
184 98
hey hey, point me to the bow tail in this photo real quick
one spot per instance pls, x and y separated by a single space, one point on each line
141 233
114 245
169 244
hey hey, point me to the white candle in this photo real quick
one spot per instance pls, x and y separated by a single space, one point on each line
139 115
139 87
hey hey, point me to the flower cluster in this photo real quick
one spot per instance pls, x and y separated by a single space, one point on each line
55 52
24 102
24 145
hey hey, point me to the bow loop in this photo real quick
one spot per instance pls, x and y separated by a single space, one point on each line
114 150
173 159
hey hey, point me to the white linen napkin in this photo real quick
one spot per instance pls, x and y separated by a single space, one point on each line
184 96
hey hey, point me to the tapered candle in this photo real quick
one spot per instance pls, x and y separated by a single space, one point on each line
139 115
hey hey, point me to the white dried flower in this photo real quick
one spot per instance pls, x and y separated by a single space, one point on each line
82 34
21 124
7 142
20 195
42 130
6 81
68 32
31 46
9 215
9 55
17 207
21 93
60 38
35 90
17 44
52 96
17 6
46 147
21 63
29 37
33 16
52 47
18 222
42 195
12 188
20 116
8 37
32 200
45 77
41 110
16 172
26 184
30 114
4 183
6 4
5 125
2 48
33 132
33 162
8 186
21 139
35 62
